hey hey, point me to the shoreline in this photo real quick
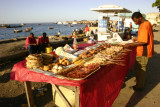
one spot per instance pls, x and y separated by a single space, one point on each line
24 38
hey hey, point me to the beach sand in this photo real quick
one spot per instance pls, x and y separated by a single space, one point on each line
12 93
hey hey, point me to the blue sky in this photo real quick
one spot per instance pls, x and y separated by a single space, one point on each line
29 11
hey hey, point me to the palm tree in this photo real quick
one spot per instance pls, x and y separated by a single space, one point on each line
156 4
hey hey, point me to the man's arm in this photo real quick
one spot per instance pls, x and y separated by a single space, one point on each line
135 43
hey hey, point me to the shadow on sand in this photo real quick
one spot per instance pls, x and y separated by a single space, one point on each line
152 79
154 30
17 101
156 42
5 78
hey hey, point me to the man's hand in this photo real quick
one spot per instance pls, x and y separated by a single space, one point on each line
129 45
134 39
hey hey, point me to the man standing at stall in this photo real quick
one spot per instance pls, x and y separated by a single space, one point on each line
145 48
43 42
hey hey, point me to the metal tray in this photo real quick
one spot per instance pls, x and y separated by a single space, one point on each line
77 79
61 76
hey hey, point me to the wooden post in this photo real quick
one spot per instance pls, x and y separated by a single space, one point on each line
77 99
28 90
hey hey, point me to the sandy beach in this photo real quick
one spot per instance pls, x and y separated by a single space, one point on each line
12 93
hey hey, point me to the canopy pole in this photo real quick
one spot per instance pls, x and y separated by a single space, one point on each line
118 22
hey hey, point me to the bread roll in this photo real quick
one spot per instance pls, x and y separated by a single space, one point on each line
46 68
76 59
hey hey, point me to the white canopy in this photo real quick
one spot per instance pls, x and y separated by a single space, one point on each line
111 9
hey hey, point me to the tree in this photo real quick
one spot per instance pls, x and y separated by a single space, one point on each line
156 4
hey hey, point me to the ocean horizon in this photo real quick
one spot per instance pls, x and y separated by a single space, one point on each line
38 29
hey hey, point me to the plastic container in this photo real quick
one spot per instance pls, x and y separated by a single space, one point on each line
49 49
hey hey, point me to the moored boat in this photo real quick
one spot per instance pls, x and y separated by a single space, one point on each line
50 28
17 30
28 29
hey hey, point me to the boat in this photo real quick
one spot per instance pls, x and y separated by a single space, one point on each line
17 30
65 23
28 29
59 23
23 24
70 25
74 23
50 28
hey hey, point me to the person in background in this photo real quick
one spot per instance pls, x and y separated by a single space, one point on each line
92 33
74 31
130 30
115 28
43 42
31 44
87 30
80 31
130 26
145 48
59 33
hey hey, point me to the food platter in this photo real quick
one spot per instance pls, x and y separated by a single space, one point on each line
61 76
77 79
84 63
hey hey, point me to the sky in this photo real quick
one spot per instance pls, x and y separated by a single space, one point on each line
37 11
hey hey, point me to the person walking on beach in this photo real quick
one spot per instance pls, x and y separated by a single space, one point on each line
59 33
87 30
43 42
145 49
31 44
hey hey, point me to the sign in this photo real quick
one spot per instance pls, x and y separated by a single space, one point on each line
102 24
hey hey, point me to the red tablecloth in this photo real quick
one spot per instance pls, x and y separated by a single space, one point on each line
98 90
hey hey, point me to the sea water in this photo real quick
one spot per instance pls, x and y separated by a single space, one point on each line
38 29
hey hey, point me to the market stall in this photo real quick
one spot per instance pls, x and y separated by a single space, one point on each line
105 14
98 88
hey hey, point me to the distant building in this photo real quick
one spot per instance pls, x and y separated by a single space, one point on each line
154 17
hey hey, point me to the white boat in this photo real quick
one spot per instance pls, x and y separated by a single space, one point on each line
17 30
28 29
65 23
59 23
74 23
22 24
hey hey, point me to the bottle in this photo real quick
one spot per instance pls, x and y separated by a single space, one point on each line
75 46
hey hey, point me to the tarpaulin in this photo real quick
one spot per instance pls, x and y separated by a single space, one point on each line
98 90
